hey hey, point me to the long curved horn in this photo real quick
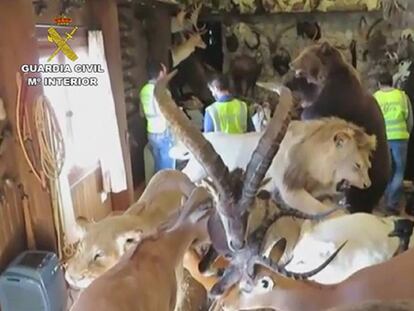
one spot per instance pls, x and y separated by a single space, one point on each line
292 212
192 138
266 149
268 263
259 233
205 154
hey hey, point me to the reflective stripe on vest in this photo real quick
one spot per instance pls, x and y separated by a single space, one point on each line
229 117
394 108
156 123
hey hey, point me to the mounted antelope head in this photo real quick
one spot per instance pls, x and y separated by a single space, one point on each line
277 290
233 200
237 190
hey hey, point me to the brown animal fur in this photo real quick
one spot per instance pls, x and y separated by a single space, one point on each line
399 305
145 278
329 86
388 281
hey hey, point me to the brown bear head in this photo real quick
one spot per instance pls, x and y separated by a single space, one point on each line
315 62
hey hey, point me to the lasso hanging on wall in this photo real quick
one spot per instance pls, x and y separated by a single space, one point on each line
51 151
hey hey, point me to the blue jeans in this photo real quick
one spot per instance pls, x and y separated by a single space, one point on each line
160 145
394 192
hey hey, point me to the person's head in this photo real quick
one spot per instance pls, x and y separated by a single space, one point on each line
155 70
219 86
385 80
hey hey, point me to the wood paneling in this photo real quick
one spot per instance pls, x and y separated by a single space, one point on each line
18 46
86 196
12 229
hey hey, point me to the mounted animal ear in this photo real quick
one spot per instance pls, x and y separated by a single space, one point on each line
278 250
372 142
342 137
365 141
82 225
326 48
128 239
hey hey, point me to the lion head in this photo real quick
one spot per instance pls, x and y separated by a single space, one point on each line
351 154
103 243
329 151
101 246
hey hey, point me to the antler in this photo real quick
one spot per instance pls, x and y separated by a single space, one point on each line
194 18
273 43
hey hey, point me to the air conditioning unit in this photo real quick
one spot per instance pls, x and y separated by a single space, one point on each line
34 281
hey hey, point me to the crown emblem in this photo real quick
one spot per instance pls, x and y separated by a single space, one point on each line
63 20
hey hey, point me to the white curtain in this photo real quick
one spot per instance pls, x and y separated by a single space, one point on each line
110 150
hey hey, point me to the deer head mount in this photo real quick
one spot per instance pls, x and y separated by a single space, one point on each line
194 40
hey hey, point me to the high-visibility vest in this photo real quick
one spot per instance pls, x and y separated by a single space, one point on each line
229 117
394 107
156 123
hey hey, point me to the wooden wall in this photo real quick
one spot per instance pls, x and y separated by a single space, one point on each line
12 229
86 196
17 47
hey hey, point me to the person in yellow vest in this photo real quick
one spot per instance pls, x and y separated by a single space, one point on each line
160 138
228 114
397 111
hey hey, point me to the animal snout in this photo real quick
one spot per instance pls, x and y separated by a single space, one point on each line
367 184
299 73
236 245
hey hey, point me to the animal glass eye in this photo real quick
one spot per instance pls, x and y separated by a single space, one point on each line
97 256
130 240
266 283
358 166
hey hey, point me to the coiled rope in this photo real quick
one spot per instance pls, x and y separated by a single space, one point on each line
51 152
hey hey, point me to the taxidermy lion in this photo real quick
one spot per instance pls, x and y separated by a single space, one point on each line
320 158
317 158
103 243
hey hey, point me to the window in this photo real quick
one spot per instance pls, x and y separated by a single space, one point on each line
87 113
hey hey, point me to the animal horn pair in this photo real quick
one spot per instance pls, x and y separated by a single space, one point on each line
280 269
193 139
266 149
205 154
201 148
285 211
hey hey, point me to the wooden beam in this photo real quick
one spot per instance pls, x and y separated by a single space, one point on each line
105 17
18 46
